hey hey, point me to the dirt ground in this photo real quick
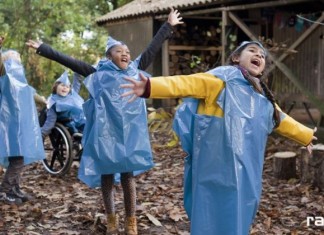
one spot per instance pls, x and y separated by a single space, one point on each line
64 205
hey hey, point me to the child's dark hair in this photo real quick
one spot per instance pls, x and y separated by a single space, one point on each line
268 93
54 87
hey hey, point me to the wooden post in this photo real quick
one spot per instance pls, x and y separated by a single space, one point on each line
321 121
284 165
165 58
224 38
165 72
312 166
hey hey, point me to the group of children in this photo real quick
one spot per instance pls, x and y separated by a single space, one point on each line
230 110
110 125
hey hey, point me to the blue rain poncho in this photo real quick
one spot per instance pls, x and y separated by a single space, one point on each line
223 169
19 127
115 137
69 107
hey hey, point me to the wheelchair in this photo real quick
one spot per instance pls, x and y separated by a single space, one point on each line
61 150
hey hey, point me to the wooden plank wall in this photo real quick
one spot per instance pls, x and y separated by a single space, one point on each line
307 64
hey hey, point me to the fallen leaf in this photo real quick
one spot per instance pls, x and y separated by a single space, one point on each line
154 220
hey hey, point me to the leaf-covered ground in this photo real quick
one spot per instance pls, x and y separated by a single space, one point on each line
66 206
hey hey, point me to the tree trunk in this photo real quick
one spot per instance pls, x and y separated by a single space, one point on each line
312 166
284 165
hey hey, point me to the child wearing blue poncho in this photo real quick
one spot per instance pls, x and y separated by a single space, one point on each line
65 105
20 136
115 137
224 129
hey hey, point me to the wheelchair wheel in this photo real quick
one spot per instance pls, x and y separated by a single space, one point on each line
58 150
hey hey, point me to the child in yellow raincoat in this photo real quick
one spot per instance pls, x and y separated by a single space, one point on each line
224 130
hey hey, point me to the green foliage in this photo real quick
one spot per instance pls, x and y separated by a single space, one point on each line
195 61
64 24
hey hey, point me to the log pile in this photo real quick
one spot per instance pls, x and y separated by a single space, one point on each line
194 48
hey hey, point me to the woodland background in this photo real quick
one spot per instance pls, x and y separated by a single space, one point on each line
67 25
63 205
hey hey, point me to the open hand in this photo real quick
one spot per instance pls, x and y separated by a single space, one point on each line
310 146
174 18
137 87
33 44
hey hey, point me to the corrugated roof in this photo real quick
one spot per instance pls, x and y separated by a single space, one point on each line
138 8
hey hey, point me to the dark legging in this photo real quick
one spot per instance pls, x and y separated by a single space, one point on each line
129 189
13 173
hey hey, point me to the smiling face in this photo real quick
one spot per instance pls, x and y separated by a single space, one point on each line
120 55
62 89
252 58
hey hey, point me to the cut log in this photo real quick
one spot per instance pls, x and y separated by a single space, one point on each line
172 52
186 71
284 165
187 56
174 59
312 166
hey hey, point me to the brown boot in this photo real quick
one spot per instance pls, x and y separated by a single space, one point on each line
131 225
112 224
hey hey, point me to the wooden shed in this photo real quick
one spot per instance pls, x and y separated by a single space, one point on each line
292 30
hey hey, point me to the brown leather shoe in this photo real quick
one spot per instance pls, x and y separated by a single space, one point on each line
112 224
131 225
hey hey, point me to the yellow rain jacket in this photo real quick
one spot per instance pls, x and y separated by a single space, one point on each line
224 131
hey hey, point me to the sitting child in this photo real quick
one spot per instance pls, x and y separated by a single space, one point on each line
65 105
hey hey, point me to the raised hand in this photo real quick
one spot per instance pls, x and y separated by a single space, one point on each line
33 44
174 18
137 87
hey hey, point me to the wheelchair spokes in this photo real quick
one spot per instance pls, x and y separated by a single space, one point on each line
58 149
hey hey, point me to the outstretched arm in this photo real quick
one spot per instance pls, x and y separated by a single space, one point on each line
164 33
296 131
200 85
40 100
48 52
